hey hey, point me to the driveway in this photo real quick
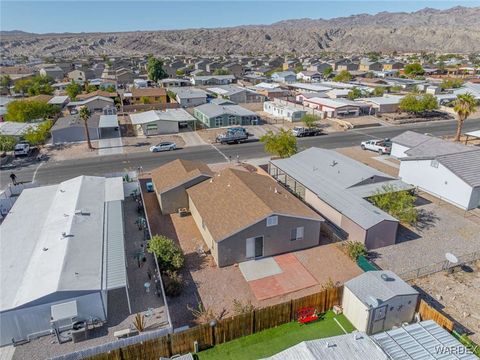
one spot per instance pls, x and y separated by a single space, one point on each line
110 146
192 138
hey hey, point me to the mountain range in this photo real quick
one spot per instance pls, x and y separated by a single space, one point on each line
455 30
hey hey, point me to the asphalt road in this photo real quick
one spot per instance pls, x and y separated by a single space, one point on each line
54 172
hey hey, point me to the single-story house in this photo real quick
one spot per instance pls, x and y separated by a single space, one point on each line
60 101
283 111
54 72
334 108
81 75
338 188
237 94
54 267
72 129
378 300
308 95
383 104
367 65
155 122
309 76
284 77
213 80
257 217
171 181
94 104
421 340
148 96
213 115
337 93
357 346
167 83
102 93
17 129
450 171
189 96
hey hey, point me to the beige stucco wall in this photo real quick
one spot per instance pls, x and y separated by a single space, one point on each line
207 237
398 311
355 231
323 208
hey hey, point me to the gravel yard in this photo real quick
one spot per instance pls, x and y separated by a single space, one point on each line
445 229
458 295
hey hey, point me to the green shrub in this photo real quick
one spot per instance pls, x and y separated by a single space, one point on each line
399 204
354 249
169 255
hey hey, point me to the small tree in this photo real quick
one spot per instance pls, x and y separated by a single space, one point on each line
221 72
85 116
355 249
5 83
283 144
72 90
7 143
39 135
415 103
378 91
414 70
355 93
399 204
169 255
309 120
155 69
343 76
28 110
464 106
327 72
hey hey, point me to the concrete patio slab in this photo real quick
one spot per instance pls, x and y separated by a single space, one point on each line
259 269
110 146
294 277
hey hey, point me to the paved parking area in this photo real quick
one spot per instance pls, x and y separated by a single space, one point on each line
110 146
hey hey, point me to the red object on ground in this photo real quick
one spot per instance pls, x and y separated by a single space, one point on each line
306 315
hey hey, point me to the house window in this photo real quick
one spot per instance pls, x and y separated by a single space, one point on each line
272 220
434 163
232 120
218 122
297 234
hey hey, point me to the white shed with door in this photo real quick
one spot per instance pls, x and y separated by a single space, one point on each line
378 300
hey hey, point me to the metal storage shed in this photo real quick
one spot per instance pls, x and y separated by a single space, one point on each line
378 300
70 250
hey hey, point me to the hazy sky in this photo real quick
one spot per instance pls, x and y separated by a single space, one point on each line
91 16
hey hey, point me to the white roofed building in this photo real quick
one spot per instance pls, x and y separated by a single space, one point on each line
68 254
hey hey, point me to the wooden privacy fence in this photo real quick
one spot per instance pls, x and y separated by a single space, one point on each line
429 313
224 330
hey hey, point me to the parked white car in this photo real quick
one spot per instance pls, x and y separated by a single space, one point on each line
21 149
380 146
163 146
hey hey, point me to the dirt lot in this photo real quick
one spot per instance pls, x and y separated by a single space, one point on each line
383 163
457 295
60 152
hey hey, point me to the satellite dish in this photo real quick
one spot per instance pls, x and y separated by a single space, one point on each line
451 258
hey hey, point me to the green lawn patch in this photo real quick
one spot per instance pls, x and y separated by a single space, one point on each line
269 342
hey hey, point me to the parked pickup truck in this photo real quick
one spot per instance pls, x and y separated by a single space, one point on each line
234 135
299 131
380 146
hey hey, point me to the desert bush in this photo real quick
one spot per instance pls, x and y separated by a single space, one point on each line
173 283
169 255
355 249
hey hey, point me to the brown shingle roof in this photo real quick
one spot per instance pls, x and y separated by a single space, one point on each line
149 92
96 93
178 172
235 199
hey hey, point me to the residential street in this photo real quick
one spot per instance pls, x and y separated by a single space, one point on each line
50 173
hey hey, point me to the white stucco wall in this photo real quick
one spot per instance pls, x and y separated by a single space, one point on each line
438 181
398 150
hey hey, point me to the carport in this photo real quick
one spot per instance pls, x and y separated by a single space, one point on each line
108 126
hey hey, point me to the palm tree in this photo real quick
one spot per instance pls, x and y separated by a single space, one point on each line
464 106
85 115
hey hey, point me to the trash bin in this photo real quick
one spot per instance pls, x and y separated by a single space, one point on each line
79 331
